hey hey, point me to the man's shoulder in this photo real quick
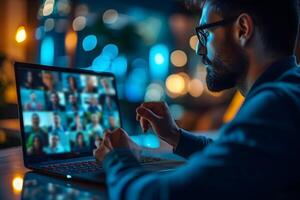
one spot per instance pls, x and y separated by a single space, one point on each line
287 86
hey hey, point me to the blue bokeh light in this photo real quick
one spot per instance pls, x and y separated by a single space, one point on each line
47 51
111 50
159 61
89 43
119 66
101 63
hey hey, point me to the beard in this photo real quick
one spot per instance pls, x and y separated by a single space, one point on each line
224 73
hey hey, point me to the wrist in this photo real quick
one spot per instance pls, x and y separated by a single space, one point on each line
174 136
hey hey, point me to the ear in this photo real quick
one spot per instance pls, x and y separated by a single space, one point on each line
244 29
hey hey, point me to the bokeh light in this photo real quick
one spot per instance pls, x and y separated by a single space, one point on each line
111 51
154 92
39 32
48 7
158 61
119 66
49 24
79 23
193 42
175 84
21 34
17 184
71 41
47 51
176 111
89 43
196 88
178 58
110 16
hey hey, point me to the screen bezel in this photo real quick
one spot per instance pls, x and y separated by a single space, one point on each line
29 160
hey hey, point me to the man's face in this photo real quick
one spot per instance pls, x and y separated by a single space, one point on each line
227 60
35 120
56 119
72 99
95 118
54 141
32 96
54 98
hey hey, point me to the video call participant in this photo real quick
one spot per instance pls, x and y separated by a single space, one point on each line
54 103
73 104
90 85
77 124
57 128
37 147
80 145
33 104
36 130
54 145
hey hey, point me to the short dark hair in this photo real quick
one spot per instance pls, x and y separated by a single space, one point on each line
277 20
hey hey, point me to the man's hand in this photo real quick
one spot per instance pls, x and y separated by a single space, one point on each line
157 115
112 140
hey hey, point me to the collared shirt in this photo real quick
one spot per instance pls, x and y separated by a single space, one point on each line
255 157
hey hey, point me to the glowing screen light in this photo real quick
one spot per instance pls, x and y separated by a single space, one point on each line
47 51
159 61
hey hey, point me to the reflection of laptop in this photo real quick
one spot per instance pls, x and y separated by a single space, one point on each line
62 113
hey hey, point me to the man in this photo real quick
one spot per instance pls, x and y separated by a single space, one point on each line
57 128
247 44
33 104
36 130
54 145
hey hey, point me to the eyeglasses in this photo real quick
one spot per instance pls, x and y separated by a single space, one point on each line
202 34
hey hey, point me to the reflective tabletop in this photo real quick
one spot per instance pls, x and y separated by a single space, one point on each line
17 182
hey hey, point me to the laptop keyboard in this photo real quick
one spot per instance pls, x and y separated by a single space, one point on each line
75 168
87 166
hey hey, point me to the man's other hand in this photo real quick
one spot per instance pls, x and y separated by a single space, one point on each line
112 140
157 116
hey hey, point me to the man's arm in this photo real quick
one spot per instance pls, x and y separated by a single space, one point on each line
189 143
254 157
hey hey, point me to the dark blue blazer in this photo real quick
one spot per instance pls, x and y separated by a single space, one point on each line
257 155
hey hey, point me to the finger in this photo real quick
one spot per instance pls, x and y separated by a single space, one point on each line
144 124
148 114
97 143
151 104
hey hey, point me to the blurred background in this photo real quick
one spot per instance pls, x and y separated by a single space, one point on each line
148 45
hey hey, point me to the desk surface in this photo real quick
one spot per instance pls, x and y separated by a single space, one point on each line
17 181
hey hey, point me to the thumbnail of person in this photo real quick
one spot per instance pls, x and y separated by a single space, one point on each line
95 125
72 84
80 145
93 106
37 147
77 124
33 104
112 123
90 85
48 81
54 103
58 129
107 86
72 103
54 145
29 83
36 130
109 105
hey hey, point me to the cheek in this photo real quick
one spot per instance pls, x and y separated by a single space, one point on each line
211 47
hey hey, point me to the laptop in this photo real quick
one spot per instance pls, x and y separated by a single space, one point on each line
62 112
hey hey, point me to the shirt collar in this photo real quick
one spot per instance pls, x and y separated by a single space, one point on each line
274 71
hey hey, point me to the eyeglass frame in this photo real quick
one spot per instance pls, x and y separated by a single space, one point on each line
200 32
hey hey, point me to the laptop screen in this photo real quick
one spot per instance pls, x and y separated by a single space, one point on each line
65 111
